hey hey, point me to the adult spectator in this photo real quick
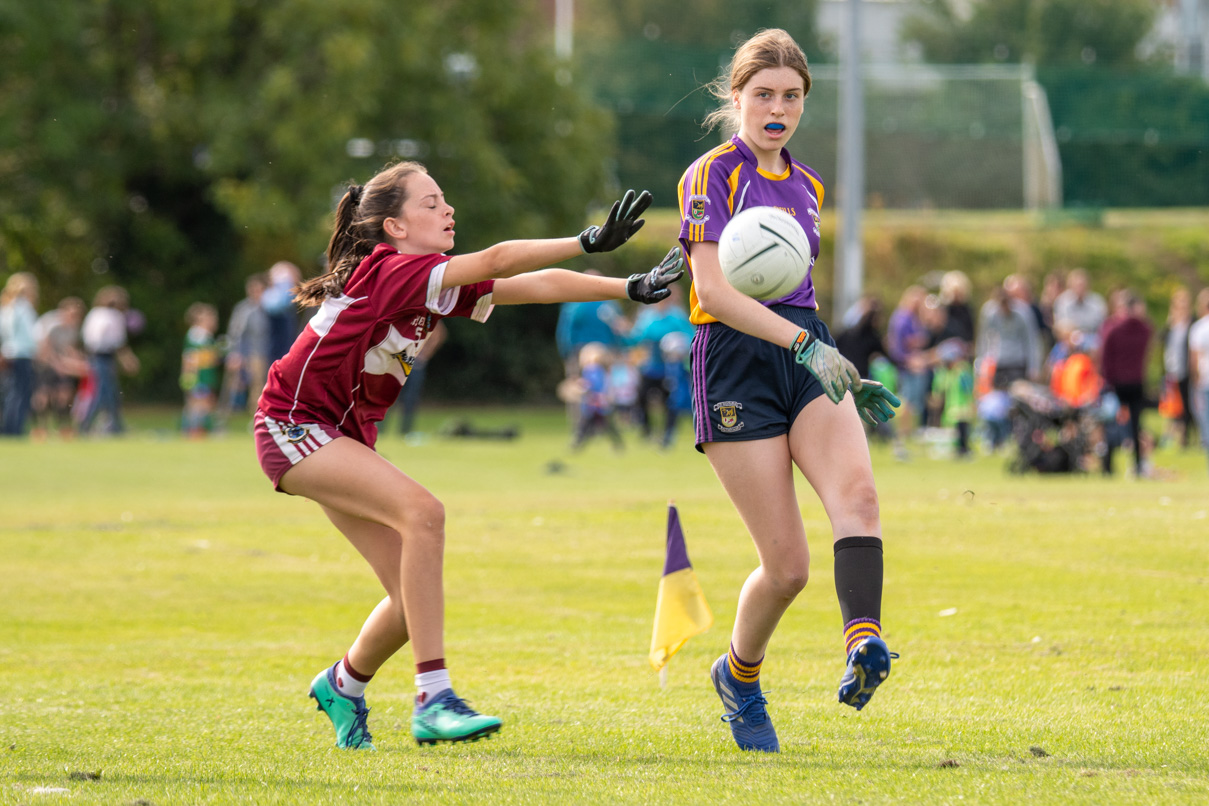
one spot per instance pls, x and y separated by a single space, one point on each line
1008 337
104 334
1078 307
18 346
906 339
1124 340
1198 365
1176 370
955 294
248 348
278 303
1020 289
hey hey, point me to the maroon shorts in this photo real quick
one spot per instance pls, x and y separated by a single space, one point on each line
281 445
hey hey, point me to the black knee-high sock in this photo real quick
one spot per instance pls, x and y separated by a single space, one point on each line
858 584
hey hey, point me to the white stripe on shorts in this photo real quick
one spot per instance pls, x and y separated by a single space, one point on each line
296 451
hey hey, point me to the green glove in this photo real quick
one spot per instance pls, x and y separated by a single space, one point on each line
827 364
875 403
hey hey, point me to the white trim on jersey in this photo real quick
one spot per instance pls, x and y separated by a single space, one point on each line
742 196
351 406
483 308
439 301
322 322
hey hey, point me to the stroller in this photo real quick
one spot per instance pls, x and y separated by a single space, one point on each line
1051 436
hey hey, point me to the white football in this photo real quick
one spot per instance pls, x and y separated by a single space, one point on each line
764 252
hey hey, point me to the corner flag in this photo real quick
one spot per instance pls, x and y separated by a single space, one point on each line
680 610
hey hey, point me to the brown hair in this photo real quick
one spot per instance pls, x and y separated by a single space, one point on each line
771 47
359 221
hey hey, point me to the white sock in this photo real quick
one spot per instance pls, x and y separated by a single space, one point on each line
348 685
429 684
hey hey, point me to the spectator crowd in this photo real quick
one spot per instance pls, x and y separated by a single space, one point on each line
965 373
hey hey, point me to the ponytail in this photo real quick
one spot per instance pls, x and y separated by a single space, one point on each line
344 252
360 218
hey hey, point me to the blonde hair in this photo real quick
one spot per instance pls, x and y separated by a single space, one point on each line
360 218
769 48
19 283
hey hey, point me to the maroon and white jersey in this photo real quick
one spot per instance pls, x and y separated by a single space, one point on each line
348 364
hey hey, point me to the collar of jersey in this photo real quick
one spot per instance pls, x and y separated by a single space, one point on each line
750 157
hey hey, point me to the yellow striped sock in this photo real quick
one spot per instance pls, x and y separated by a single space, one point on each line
741 670
858 630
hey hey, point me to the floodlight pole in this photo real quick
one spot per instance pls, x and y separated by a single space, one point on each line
564 28
849 273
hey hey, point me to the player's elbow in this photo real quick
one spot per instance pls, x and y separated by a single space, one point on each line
711 297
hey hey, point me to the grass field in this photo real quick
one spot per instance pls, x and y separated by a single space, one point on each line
162 612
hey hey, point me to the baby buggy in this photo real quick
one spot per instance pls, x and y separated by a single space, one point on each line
1051 436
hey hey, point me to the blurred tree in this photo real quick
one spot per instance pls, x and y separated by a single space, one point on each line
175 146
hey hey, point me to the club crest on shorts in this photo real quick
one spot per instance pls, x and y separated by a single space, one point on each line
696 209
295 434
728 413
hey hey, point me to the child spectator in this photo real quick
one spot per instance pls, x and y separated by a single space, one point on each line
60 366
953 386
674 349
200 362
624 381
595 407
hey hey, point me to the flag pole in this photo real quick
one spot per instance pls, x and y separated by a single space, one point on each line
663 677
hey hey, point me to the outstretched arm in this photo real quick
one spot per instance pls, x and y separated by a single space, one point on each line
560 285
511 258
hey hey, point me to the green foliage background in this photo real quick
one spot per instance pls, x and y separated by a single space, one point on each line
177 146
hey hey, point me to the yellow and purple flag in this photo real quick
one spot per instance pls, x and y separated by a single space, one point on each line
680 610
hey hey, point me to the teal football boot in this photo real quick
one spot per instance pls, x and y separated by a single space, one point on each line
348 714
447 718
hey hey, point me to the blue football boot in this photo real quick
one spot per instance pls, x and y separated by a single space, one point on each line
745 710
868 668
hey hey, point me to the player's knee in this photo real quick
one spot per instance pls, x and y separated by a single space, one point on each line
788 580
861 502
424 517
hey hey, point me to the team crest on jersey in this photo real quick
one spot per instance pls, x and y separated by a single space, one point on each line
696 209
728 413
406 361
295 434
815 217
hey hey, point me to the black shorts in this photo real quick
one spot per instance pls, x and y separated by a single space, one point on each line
747 388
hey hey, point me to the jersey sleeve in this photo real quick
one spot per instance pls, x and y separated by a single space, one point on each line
471 301
415 284
706 197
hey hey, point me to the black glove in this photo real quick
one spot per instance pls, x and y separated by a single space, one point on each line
652 286
618 228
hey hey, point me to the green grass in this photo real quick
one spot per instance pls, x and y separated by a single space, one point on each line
162 612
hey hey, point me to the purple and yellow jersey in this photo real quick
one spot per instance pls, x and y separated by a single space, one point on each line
724 181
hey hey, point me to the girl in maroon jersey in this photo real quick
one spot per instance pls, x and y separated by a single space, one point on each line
390 283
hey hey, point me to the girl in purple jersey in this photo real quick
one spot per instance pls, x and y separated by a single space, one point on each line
390 282
769 392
